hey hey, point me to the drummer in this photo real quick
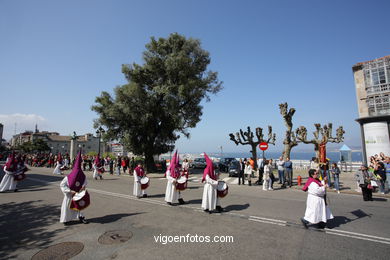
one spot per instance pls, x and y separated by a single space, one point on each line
210 200
98 169
138 174
172 195
10 169
75 182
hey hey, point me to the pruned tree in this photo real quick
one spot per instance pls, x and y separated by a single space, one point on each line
248 138
162 98
322 135
290 140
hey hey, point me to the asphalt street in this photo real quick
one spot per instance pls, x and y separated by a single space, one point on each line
262 224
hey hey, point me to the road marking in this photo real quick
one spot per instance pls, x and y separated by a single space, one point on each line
337 232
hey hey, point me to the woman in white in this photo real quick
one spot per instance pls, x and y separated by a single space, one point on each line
317 212
210 200
248 172
267 180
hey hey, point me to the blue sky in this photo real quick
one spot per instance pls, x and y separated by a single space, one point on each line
57 56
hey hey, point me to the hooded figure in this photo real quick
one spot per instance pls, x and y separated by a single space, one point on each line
98 169
10 169
138 174
75 182
172 195
210 200
57 169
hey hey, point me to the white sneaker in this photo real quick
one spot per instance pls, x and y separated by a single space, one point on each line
338 192
382 193
270 189
264 189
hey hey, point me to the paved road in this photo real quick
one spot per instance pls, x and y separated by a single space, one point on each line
263 224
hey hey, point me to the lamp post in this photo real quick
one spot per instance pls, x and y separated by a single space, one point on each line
73 139
99 133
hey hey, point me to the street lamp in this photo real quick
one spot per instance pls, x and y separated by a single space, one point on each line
99 133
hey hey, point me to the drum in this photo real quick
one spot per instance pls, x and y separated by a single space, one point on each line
20 176
144 183
222 189
181 183
80 200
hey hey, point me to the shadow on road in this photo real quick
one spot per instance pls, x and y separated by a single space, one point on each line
236 207
23 225
156 196
110 218
341 220
197 201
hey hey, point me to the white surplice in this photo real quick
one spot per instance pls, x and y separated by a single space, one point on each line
8 182
57 169
210 199
137 186
68 214
171 193
96 173
316 210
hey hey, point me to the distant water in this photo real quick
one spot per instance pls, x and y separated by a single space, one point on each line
333 156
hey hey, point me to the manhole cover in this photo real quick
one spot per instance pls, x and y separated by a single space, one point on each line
61 251
115 237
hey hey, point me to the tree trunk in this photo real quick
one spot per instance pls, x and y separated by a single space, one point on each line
317 150
287 151
149 163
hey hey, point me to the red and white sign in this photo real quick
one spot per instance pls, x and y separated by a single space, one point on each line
263 146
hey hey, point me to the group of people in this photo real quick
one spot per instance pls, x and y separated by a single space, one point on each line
177 177
374 176
14 170
264 170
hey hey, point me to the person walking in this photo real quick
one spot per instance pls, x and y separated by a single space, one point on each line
364 177
317 211
241 173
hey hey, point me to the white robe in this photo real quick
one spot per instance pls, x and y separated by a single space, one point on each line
68 214
137 185
171 194
57 169
210 199
8 182
316 210
96 173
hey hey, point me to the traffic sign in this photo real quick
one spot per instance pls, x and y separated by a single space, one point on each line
263 146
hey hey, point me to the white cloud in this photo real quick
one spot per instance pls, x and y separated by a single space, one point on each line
20 123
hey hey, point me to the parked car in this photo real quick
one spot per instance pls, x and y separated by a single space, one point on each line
224 164
234 168
198 163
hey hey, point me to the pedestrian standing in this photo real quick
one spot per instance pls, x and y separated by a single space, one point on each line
241 173
364 177
248 172
280 165
335 171
288 167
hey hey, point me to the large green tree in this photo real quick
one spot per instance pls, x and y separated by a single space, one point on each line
162 98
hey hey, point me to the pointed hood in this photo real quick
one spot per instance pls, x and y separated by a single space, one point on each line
59 157
97 160
173 166
209 170
11 163
77 177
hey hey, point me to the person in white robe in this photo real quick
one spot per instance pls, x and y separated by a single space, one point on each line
138 173
172 195
317 212
98 169
57 169
210 200
75 182
8 182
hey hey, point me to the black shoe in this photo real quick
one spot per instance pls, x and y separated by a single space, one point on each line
181 201
15 190
219 209
169 203
250 184
206 210
145 196
101 177
83 220
321 225
66 223
304 222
